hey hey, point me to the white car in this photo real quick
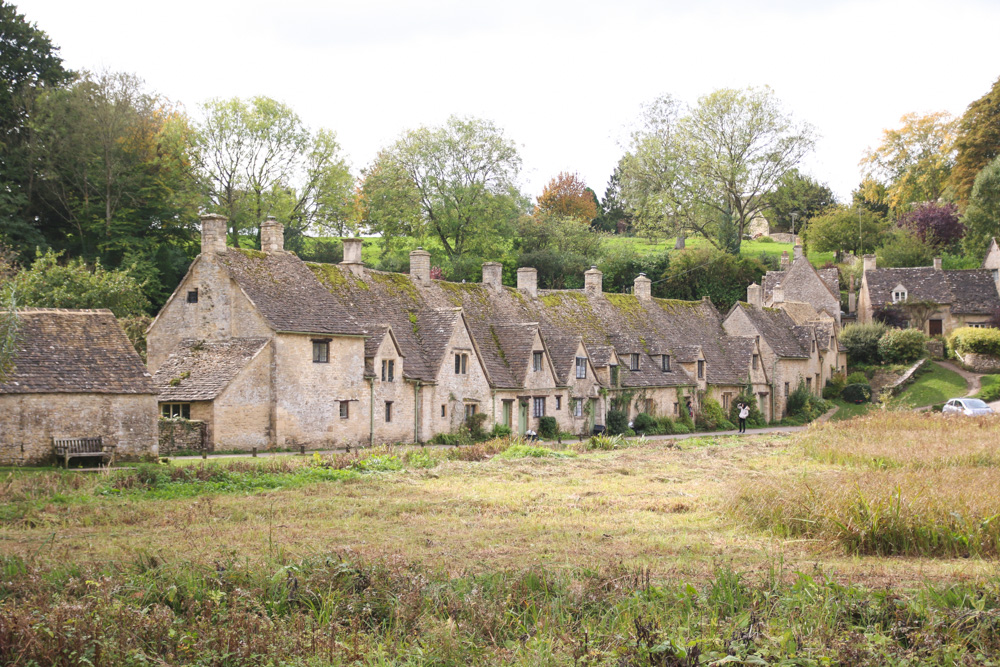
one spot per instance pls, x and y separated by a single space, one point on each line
970 407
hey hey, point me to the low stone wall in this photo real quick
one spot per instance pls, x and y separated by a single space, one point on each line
178 435
935 348
980 363
783 237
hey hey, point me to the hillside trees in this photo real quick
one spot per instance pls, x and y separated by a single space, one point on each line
709 169
455 183
977 143
796 195
857 230
982 216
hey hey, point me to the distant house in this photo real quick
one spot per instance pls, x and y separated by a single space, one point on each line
799 281
76 376
950 299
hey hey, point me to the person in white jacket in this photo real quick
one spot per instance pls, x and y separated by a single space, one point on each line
744 413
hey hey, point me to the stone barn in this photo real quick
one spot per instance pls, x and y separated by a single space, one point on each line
76 376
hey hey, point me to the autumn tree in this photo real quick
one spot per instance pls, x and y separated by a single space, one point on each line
453 182
977 143
914 161
937 225
567 196
708 169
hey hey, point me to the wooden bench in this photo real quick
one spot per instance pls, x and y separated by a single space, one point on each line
69 448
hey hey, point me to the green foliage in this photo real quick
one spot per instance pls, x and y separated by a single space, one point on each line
989 388
797 400
607 442
799 194
755 419
977 143
974 340
901 346
721 277
520 451
982 216
500 431
644 423
855 377
711 417
617 422
834 386
681 428
860 342
475 424
858 231
903 249
51 284
547 428
860 392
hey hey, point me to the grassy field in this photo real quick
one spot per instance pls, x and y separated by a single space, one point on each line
865 542
937 385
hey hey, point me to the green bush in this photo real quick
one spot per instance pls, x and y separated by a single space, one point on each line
857 393
990 393
475 425
976 341
901 346
711 417
644 423
860 342
547 428
500 431
797 400
855 378
617 422
681 428
665 425
756 418
834 386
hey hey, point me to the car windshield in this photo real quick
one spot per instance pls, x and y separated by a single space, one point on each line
975 403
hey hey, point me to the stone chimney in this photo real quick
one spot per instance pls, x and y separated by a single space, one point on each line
352 256
754 295
784 260
643 287
420 265
493 275
852 302
869 264
593 281
796 252
527 280
213 233
937 263
272 235
777 295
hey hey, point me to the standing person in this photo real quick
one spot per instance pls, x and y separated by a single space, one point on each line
744 413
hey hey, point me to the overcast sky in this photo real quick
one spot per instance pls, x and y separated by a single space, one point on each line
563 79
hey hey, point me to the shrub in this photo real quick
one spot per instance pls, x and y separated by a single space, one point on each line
617 422
547 428
711 416
500 431
976 341
860 341
990 393
755 420
855 378
607 442
681 428
665 425
834 386
644 423
766 239
857 393
797 400
475 424
901 346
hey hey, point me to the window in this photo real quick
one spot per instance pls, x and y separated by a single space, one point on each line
175 410
809 384
193 296
577 407
388 370
345 409
898 295
444 412
725 402
461 364
536 361
614 376
539 406
470 410
677 409
786 389
814 345
388 412
581 367
321 351
558 402
978 325
666 363
755 362
996 275
701 370
634 362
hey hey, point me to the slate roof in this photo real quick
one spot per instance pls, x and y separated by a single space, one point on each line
778 330
75 351
968 292
737 360
829 277
202 369
562 349
287 294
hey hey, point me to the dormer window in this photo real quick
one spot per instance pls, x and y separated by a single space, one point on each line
536 361
614 376
581 368
634 362
388 370
898 294
701 370
666 363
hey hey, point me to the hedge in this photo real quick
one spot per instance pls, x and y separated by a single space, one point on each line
976 341
857 393
901 346
860 341
617 422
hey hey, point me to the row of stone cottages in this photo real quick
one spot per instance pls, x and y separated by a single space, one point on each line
269 351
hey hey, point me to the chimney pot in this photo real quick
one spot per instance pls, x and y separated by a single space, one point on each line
777 295
593 281
493 274
643 287
796 252
272 235
214 228
784 260
527 280
352 251
869 263
754 295
420 265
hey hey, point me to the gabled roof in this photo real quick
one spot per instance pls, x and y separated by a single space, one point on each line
968 292
75 351
286 293
777 329
562 350
738 359
200 370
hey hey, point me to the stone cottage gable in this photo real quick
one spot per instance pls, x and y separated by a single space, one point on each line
967 292
200 371
75 351
803 282
991 260
774 326
564 350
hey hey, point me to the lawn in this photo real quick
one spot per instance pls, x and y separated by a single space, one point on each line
937 385
757 547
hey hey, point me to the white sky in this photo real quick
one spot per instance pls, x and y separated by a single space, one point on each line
563 79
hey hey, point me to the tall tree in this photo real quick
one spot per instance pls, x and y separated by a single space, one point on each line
857 230
708 170
797 197
913 161
935 224
982 215
454 182
612 216
977 143
567 196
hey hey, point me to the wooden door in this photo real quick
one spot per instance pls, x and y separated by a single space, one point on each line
522 418
935 327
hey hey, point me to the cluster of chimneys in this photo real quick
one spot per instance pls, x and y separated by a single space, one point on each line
272 239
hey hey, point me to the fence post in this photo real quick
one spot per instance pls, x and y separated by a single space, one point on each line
302 450
255 452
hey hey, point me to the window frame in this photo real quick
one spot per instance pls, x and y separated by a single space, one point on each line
701 369
537 361
388 370
192 295
322 347
388 412
183 410
461 363
633 364
345 409
665 363
538 406
578 407
581 368
470 410
558 402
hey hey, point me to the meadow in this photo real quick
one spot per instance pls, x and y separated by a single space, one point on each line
870 541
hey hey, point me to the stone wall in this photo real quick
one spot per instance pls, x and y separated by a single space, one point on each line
177 435
29 422
980 363
240 416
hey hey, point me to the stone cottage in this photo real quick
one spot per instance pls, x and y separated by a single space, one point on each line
799 281
76 375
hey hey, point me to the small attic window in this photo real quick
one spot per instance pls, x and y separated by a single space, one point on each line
634 362
898 295
192 296
666 363
701 369
536 361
